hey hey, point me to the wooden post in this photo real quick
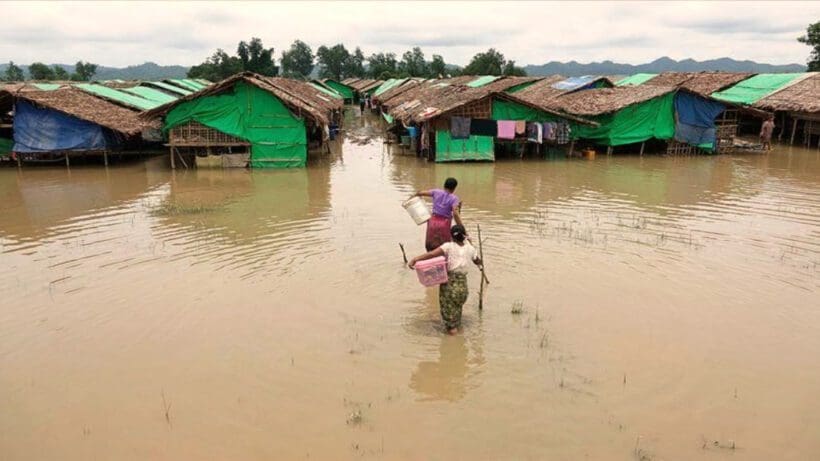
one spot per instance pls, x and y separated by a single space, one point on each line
608 151
105 157
571 148
782 128
483 277
67 165
794 130
19 160
173 165
643 144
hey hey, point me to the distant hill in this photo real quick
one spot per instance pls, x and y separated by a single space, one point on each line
664 64
145 71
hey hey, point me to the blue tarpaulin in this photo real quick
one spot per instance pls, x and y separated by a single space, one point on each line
697 111
44 130
574 83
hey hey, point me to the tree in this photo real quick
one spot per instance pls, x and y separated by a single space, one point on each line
489 63
355 64
218 67
812 38
40 71
256 58
413 64
83 71
14 73
60 73
510 69
382 66
297 62
438 69
333 62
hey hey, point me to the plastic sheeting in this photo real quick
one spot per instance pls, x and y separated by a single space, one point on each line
472 148
635 79
483 80
122 97
508 110
697 111
392 83
574 83
702 137
46 130
150 94
278 139
6 146
751 90
171 88
330 92
341 88
636 123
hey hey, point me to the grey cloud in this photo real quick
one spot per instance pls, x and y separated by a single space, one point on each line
414 37
728 26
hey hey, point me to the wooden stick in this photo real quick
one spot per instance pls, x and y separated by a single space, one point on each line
403 254
483 276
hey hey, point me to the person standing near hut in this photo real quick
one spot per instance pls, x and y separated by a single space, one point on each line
446 207
766 131
453 294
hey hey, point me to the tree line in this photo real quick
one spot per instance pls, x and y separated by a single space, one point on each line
337 62
83 72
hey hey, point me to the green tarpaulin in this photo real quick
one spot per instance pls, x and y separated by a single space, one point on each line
751 90
392 83
483 80
387 117
473 148
636 123
185 83
333 93
150 94
519 87
122 97
508 110
278 139
635 79
6 145
172 88
47 86
341 88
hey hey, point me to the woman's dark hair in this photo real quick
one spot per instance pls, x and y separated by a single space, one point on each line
458 233
450 183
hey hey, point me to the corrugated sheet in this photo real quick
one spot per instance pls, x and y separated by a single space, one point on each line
635 79
756 88
150 94
483 80
118 96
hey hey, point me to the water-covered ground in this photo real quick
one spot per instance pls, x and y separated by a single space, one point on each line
670 311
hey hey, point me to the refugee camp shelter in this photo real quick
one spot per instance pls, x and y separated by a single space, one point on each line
635 79
67 122
798 105
248 120
432 112
363 86
344 90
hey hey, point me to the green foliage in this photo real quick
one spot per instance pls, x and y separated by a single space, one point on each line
332 61
297 62
14 73
355 65
812 38
492 62
60 73
438 69
218 67
413 64
40 71
84 71
256 58
382 66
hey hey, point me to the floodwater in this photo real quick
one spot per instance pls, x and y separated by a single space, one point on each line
670 310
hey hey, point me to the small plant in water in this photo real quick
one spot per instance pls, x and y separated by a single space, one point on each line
173 209
517 308
355 418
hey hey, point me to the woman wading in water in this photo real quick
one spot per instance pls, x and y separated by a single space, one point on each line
446 206
453 294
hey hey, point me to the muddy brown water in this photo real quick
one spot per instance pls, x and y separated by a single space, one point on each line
670 311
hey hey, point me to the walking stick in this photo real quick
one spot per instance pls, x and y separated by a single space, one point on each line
483 275
403 254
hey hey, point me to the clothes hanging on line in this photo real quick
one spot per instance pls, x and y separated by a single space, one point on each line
506 129
483 127
459 127
520 127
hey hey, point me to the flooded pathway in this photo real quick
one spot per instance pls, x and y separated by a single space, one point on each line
670 311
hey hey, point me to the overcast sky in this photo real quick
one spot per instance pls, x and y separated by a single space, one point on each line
119 34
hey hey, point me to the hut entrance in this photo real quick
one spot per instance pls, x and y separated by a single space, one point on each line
196 144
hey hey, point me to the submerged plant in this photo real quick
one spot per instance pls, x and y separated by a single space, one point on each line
517 308
175 209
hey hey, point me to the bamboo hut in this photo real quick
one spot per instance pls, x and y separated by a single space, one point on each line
346 91
248 120
428 112
58 124
799 102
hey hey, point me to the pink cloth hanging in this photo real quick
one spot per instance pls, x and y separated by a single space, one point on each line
506 129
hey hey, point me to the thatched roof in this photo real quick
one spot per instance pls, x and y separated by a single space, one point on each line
81 105
363 84
385 97
350 80
298 96
431 100
542 91
803 96
604 100
505 83
702 83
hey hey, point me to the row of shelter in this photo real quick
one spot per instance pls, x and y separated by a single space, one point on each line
269 122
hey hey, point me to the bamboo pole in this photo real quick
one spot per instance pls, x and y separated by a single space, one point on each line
643 144
403 254
483 275
794 130
173 165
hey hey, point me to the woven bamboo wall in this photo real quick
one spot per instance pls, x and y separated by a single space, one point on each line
196 134
476 109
